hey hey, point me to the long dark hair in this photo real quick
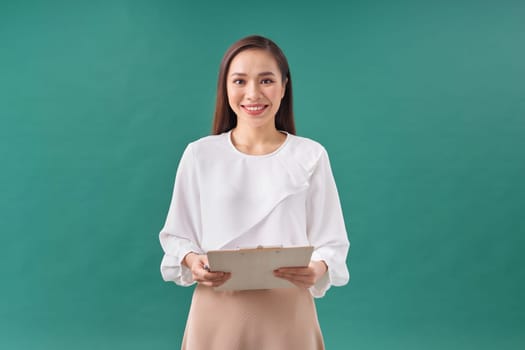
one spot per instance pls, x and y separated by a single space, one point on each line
224 118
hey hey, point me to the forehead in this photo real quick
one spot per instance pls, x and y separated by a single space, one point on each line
253 61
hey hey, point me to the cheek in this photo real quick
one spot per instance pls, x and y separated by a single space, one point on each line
232 95
276 92
277 95
231 100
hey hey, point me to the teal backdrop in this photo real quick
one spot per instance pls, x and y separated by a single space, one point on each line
420 105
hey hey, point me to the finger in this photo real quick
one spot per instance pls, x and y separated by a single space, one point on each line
199 269
299 283
204 261
298 279
206 283
309 282
217 276
216 283
221 282
213 276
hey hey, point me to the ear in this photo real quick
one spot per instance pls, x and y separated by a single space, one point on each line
284 88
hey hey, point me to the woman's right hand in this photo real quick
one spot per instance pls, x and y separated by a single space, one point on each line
196 263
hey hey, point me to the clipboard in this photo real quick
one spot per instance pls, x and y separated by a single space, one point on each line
253 268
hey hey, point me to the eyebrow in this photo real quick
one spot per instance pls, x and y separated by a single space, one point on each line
260 74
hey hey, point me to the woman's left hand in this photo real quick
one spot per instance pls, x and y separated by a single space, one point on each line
303 277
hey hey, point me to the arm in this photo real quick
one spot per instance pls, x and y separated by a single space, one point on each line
326 232
181 232
183 262
326 227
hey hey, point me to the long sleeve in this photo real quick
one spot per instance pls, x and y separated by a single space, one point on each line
181 233
326 228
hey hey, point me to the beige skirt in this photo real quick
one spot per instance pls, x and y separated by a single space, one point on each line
271 319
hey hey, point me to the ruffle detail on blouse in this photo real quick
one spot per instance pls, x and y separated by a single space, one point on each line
238 192
268 188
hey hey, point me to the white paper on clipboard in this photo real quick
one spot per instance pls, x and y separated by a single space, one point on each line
253 268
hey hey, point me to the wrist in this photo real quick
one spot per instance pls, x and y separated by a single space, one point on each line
323 267
188 259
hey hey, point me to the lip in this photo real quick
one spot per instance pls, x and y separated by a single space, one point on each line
254 109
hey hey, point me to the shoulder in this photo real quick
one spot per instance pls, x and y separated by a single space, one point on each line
306 151
208 140
208 144
306 144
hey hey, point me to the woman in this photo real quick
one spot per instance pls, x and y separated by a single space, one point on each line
253 182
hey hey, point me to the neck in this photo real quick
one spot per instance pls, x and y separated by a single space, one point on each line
256 136
257 141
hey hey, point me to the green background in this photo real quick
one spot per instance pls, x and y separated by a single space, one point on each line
420 104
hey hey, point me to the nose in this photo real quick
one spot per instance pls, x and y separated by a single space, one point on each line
253 91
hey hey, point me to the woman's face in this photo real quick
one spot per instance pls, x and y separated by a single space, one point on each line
255 88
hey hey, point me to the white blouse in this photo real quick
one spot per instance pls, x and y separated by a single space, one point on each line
226 199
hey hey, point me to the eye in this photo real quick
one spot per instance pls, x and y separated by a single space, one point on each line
238 82
266 81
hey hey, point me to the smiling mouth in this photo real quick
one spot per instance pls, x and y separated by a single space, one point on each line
254 109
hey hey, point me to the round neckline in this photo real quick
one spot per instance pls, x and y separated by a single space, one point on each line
274 152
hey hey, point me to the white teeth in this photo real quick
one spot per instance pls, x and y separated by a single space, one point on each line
253 109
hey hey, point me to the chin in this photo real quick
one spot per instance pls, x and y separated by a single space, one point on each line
256 122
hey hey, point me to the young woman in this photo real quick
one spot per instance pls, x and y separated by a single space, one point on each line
254 182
